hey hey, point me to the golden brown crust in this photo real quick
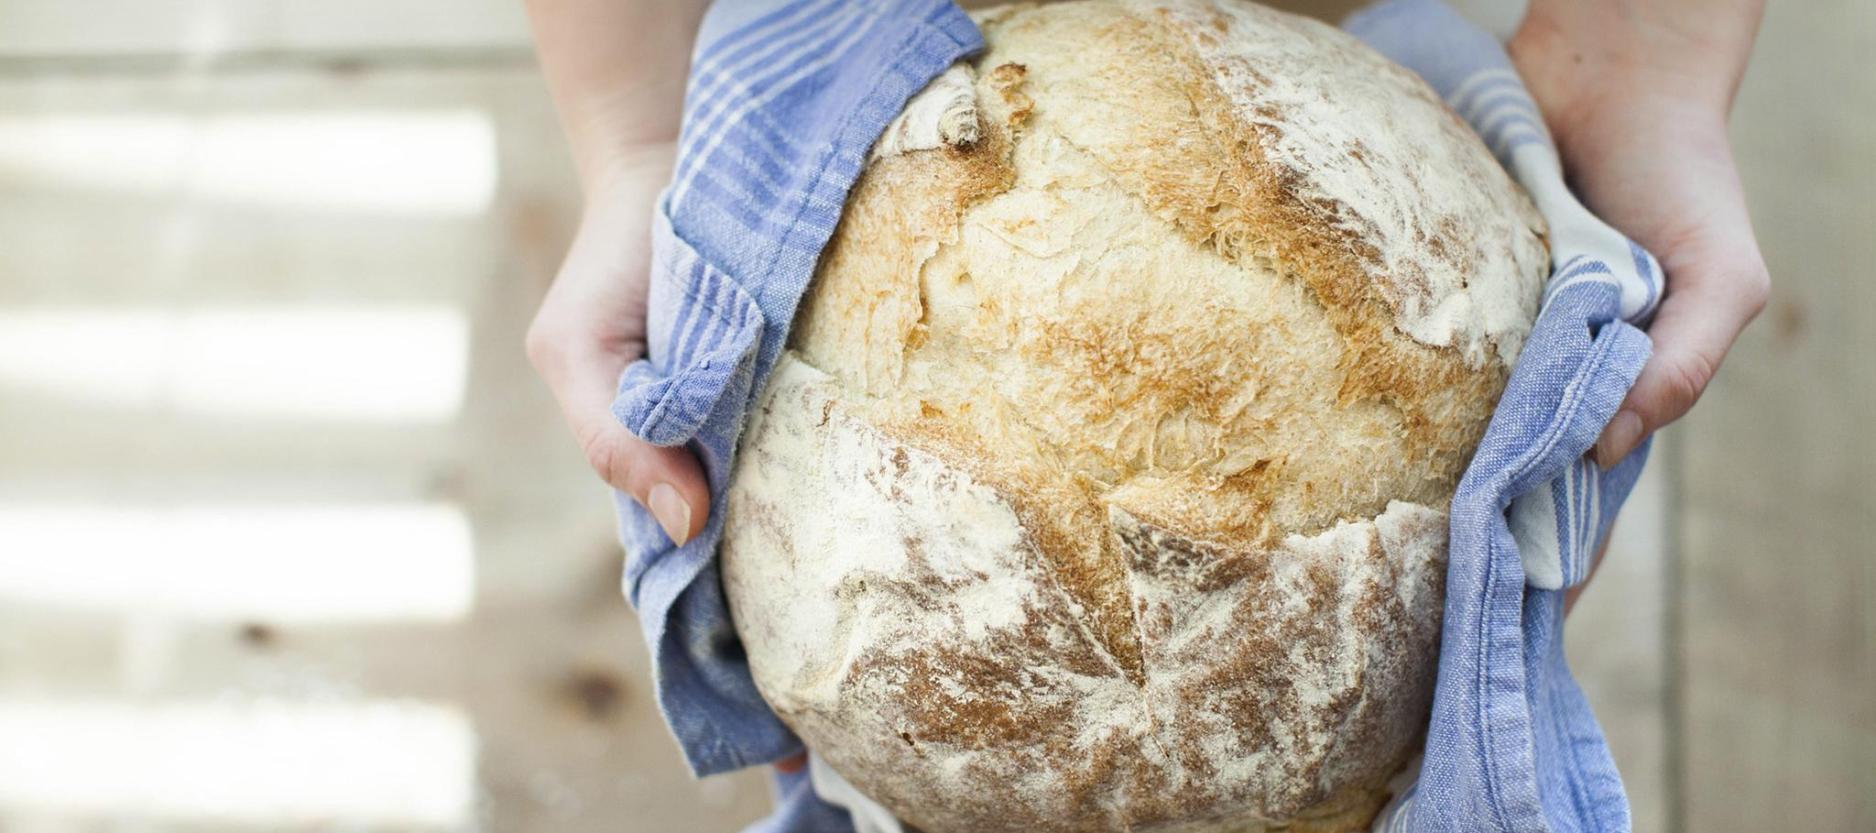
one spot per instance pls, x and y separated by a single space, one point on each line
1211 400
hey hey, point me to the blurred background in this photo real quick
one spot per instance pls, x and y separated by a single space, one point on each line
291 539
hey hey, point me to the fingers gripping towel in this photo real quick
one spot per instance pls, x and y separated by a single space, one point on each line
785 100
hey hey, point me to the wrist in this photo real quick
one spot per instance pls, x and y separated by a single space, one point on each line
617 72
1576 54
629 169
1601 104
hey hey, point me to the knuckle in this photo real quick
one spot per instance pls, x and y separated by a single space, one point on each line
1684 381
543 350
606 457
1756 291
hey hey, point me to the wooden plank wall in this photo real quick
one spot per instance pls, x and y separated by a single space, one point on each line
1776 684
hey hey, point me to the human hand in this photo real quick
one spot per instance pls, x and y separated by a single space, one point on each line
591 325
1637 99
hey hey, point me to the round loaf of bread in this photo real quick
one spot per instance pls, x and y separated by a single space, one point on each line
1103 485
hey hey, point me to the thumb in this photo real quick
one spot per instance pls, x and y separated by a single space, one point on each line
667 481
1692 333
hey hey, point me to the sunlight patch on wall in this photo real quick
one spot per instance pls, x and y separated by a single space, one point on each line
292 564
270 763
391 161
371 363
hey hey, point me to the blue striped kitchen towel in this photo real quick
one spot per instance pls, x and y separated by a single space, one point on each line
785 99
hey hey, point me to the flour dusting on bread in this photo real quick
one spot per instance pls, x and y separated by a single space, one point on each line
1103 485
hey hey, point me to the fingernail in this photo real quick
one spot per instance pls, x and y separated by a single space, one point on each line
792 763
1618 439
671 511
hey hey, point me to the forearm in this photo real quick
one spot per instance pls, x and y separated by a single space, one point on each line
1692 50
616 69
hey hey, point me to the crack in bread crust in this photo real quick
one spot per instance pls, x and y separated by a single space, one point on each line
913 636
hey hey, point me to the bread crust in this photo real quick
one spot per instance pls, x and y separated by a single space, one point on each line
901 616
1103 485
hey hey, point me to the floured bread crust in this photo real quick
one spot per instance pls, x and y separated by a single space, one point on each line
1103 486
901 616
943 115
